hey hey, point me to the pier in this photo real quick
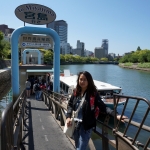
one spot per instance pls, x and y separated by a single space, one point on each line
34 125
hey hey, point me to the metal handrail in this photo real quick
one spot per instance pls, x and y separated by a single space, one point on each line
11 124
132 141
7 128
55 103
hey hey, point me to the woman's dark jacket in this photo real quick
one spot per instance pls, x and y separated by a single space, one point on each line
88 119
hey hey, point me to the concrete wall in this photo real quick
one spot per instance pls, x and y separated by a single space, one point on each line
5 82
5 63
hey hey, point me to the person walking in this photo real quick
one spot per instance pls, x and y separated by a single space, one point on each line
28 87
36 89
88 112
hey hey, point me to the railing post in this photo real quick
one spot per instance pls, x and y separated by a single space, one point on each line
105 142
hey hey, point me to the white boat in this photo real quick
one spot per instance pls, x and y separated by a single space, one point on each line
68 83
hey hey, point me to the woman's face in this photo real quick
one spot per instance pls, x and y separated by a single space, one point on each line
83 82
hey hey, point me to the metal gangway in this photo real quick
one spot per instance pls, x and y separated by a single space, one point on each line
16 127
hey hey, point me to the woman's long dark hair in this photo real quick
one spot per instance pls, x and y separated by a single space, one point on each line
91 89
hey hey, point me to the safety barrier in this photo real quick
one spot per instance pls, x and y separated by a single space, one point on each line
12 123
57 104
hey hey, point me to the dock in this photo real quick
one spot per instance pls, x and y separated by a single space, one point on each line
30 124
42 131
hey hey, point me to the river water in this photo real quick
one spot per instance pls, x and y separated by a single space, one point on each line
132 82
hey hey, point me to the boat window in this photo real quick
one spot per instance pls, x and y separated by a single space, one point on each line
109 92
116 91
106 92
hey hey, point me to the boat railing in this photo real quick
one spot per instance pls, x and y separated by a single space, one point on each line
12 124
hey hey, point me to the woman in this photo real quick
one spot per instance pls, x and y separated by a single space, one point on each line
92 103
28 87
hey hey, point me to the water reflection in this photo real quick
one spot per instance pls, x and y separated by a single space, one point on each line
5 101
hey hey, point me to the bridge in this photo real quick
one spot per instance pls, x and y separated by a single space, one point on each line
29 124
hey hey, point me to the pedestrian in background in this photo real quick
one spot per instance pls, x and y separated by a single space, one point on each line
28 87
36 89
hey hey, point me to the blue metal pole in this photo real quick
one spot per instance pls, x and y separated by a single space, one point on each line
14 58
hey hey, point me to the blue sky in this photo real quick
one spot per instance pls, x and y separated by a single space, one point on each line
125 23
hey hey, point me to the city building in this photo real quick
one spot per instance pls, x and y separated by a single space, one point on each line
111 56
6 32
65 48
61 27
105 46
80 49
4 28
88 53
101 52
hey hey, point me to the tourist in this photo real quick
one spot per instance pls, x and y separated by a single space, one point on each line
32 82
28 87
36 89
86 114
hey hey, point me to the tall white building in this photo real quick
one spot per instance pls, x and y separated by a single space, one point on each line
61 27
65 48
80 48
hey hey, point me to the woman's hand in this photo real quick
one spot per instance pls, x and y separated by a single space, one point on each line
122 119
69 122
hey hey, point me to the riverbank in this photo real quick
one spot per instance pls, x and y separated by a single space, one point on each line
134 66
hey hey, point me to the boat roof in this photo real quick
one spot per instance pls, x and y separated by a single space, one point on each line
72 81
41 70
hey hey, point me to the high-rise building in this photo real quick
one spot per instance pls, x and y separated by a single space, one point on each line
80 48
102 51
99 52
65 48
61 27
105 46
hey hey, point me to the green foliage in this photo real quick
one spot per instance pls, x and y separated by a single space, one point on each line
138 48
4 47
144 65
128 64
48 56
104 59
1 36
136 57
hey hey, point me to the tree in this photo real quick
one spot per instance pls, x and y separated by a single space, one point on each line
62 58
148 56
104 59
1 45
48 56
138 48
4 47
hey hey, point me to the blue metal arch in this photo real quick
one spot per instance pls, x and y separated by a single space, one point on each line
14 56
24 55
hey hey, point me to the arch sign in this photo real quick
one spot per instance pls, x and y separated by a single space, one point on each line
33 14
